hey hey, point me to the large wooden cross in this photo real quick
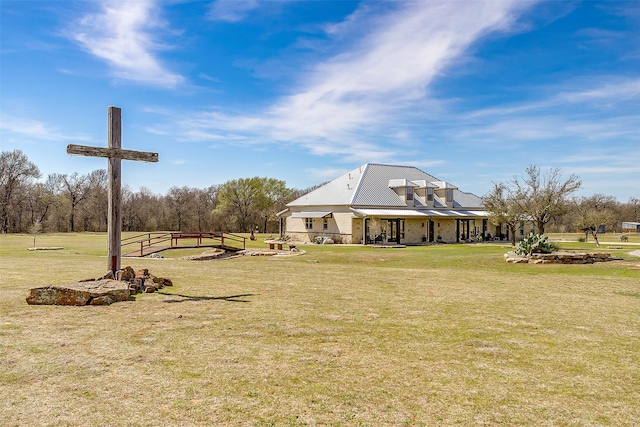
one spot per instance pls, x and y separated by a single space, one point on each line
114 153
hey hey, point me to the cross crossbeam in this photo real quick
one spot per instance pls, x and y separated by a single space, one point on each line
115 154
111 153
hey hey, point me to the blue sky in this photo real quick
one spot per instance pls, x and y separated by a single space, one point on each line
471 92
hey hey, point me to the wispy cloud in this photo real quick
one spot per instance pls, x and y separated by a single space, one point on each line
126 35
231 10
585 110
36 129
383 74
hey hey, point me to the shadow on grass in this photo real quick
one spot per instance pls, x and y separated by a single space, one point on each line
230 298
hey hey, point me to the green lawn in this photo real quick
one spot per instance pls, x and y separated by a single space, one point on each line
337 336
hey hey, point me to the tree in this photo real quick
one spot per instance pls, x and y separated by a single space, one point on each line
15 171
95 212
181 200
274 194
543 197
633 206
250 201
503 209
593 212
34 230
76 188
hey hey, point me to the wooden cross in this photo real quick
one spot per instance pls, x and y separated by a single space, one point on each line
114 153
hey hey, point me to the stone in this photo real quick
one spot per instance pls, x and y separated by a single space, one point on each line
513 258
103 300
560 258
57 295
163 281
126 274
102 291
141 274
107 291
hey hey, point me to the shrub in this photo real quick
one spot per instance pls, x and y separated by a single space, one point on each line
535 243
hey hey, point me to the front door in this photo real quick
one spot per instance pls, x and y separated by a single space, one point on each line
431 230
395 230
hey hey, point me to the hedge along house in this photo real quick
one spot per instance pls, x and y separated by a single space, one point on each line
387 204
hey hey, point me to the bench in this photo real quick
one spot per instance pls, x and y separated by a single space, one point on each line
273 244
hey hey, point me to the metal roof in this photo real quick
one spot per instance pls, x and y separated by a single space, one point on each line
368 185
399 213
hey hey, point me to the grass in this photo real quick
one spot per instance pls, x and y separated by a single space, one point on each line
342 335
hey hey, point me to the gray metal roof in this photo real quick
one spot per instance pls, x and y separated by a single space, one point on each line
368 185
403 213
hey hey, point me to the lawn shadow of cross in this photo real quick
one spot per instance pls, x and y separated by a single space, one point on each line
230 298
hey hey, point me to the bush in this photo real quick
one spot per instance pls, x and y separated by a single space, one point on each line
535 243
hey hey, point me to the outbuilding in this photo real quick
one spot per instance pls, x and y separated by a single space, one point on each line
631 227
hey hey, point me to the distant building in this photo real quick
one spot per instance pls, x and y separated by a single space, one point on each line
387 204
631 227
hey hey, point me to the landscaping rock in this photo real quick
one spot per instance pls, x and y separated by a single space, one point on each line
80 293
57 295
102 291
560 258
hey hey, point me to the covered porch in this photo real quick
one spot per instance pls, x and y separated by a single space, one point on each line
421 226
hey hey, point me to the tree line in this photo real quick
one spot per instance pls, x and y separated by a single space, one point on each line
545 200
76 202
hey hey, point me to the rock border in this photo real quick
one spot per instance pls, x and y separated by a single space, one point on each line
560 258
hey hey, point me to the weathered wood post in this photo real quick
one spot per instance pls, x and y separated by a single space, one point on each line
114 224
115 154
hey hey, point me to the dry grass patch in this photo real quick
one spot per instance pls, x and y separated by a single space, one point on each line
339 336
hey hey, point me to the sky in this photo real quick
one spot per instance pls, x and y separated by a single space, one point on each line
470 92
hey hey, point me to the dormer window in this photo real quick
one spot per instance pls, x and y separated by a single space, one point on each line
449 194
409 193
429 194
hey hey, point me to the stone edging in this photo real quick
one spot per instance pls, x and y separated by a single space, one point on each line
560 258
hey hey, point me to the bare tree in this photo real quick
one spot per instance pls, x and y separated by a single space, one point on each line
76 189
594 212
181 201
15 171
543 197
503 209
633 206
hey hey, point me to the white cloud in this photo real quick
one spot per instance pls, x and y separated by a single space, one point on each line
232 10
125 34
36 129
379 78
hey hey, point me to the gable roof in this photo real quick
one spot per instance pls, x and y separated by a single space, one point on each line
369 185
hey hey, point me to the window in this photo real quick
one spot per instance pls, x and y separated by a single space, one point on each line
308 223
449 195
429 194
325 223
409 193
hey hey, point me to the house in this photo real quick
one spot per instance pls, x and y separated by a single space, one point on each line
630 227
387 204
